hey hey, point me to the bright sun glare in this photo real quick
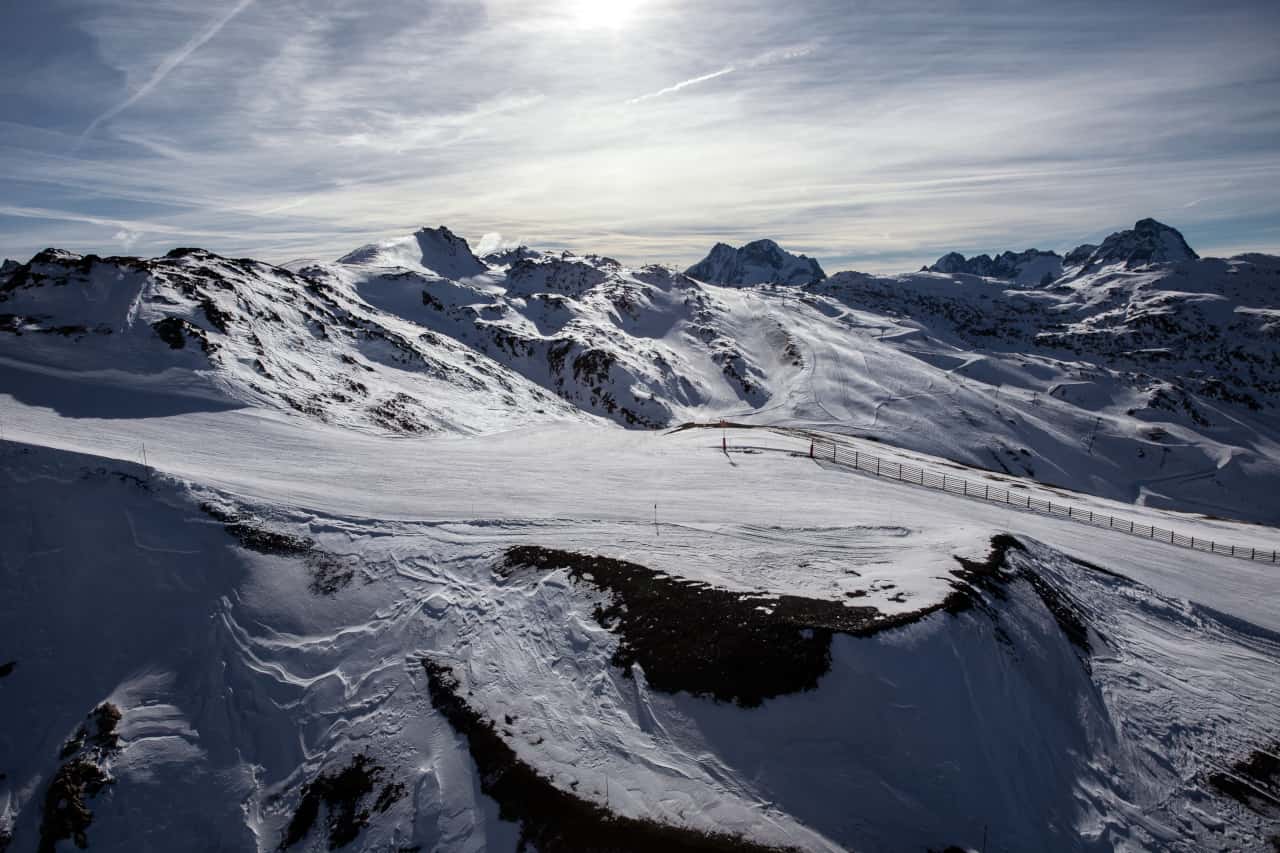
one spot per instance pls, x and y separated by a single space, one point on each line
603 14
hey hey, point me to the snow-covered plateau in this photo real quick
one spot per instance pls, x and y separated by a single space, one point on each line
408 551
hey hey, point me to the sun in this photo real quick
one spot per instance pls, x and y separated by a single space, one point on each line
602 14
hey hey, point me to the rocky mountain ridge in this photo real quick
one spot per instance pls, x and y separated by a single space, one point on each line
1127 375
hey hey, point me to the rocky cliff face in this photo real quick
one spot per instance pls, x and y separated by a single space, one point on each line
1148 242
758 262
1031 266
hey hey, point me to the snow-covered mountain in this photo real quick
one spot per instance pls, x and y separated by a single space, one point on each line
386 553
434 250
758 262
236 332
1148 242
1130 376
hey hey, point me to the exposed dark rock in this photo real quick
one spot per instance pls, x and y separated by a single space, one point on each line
66 813
758 262
342 794
1253 781
730 646
1006 265
170 330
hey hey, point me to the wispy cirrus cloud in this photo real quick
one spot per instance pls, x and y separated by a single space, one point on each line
875 137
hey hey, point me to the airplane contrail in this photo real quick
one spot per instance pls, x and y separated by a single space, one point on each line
170 62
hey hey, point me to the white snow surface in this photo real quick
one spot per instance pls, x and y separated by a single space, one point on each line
250 684
240 681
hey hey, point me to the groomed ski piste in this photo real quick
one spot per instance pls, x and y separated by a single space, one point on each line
229 625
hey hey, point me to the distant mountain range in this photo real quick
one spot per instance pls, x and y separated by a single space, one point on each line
1134 369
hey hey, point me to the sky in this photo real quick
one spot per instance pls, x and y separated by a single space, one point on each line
872 136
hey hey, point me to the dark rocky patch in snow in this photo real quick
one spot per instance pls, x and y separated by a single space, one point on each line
6 669
83 775
746 648
342 794
399 413
552 820
730 646
1254 781
330 573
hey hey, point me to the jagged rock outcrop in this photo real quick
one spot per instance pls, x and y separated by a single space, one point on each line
1031 266
758 262
1148 242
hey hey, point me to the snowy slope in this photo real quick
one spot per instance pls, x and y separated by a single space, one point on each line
225 332
1155 384
258 606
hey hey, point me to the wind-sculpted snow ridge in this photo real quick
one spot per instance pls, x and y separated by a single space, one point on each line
758 262
483 680
435 250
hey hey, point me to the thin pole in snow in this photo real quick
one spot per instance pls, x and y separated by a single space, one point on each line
984 838
656 531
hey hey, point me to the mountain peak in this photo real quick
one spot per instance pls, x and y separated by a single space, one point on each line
1148 242
758 262
437 250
